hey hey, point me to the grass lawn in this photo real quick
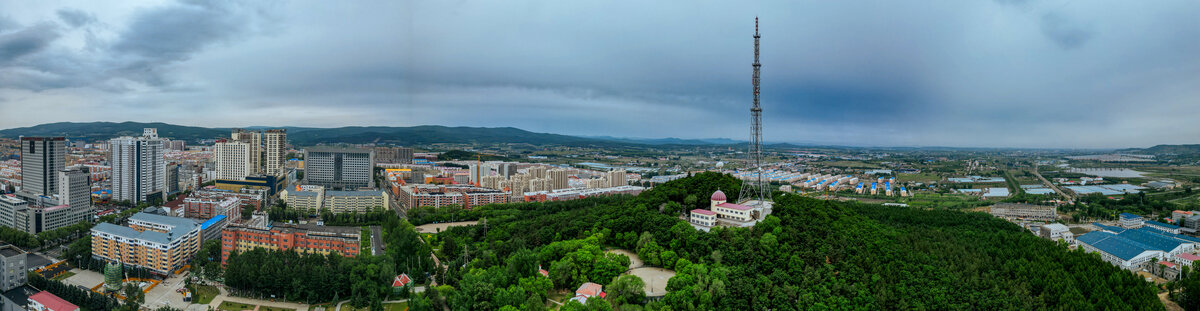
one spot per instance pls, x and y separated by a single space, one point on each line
63 276
203 294
233 306
399 306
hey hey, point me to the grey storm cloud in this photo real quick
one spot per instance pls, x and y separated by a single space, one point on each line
26 41
1059 73
76 18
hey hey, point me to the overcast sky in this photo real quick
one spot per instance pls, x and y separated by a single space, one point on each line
1011 73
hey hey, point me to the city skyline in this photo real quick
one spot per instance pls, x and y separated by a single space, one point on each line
986 74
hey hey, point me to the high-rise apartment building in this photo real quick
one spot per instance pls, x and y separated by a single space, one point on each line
234 159
559 179
339 168
275 151
400 155
139 172
537 172
617 178
41 159
254 141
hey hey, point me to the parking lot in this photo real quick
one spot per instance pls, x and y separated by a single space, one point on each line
162 295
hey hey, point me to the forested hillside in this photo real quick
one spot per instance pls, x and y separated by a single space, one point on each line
809 254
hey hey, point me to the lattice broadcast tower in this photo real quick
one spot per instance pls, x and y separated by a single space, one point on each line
755 187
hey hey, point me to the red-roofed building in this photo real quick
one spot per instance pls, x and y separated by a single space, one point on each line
401 280
543 272
588 290
45 301
1186 259
1165 269
703 217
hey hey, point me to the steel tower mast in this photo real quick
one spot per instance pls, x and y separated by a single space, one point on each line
755 188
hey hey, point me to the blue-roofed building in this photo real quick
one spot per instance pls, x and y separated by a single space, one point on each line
1125 247
1131 221
1108 228
1118 251
1164 227
211 228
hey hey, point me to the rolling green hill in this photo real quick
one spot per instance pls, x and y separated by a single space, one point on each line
425 134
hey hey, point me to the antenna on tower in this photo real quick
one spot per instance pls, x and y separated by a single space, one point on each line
755 187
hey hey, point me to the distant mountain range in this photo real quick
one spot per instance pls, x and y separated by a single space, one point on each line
425 134
1165 149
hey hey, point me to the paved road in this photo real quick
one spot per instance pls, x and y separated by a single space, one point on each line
399 209
376 240
1052 186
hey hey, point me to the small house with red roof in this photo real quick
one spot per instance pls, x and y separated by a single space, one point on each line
588 290
401 280
543 272
45 301
1165 269
703 217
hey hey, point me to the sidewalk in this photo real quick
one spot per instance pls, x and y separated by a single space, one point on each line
224 296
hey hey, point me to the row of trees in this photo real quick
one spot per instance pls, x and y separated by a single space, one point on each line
52 237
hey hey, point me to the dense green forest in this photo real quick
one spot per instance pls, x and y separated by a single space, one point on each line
809 254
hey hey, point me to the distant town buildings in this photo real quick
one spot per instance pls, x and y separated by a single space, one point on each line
138 168
339 168
393 155
464 196
579 193
304 239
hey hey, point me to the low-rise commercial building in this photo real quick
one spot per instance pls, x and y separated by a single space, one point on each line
1129 221
161 244
1131 249
1024 211
1055 232
703 217
12 267
305 239
314 199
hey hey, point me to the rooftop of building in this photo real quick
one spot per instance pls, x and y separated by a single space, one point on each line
1129 216
310 229
212 221
1160 224
181 225
20 295
1188 256
735 206
10 251
1130 242
338 149
52 302
703 211
369 193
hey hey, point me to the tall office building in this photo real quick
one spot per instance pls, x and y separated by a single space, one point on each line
254 140
234 160
276 151
558 179
15 213
139 172
617 178
75 191
41 159
339 168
